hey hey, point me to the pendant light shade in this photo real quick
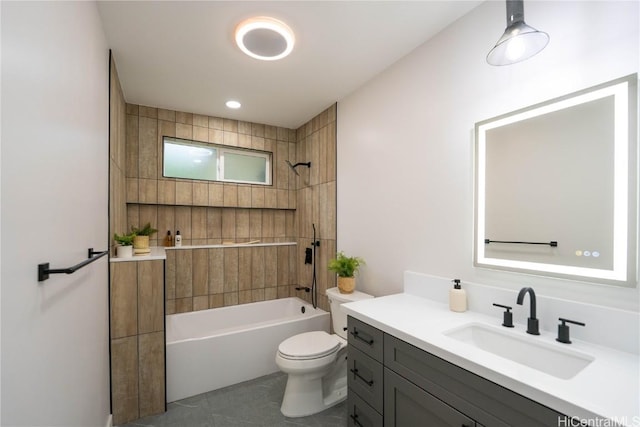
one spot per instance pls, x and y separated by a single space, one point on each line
519 41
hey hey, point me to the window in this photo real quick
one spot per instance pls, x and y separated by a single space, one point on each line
196 160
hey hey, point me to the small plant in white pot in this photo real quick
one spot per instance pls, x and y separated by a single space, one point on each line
125 245
346 268
141 239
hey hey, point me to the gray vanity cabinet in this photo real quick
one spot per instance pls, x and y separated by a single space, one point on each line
395 384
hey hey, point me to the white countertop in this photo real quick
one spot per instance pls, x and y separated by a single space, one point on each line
607 388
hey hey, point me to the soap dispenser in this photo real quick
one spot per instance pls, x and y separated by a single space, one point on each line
457 297
178 239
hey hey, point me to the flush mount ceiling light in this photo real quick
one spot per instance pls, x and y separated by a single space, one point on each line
519 41
233 104
264 38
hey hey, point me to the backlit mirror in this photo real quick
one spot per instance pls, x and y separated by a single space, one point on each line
556 187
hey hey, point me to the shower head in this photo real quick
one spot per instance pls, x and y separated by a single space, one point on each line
293 167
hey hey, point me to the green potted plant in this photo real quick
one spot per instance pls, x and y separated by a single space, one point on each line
125 242
141 239
346 268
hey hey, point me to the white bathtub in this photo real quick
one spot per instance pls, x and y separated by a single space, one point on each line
214 348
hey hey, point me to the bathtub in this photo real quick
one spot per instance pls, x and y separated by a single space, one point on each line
214 348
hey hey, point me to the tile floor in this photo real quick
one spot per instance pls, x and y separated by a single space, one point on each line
248 404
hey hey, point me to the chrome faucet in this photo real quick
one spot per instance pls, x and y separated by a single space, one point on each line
532 321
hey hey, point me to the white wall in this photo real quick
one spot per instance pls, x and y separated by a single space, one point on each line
55 365
405 139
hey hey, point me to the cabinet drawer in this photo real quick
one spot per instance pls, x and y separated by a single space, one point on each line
486 402
407 405
360 413
365 338
364 376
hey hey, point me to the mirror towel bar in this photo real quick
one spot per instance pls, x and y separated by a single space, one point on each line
44 270
552 243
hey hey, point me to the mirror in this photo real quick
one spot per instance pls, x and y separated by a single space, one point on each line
556 187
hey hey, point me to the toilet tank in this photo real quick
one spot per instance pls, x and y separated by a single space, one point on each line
338 317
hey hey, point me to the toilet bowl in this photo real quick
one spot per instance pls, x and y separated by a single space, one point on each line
316 363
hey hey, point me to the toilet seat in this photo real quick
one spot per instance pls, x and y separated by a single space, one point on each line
309 345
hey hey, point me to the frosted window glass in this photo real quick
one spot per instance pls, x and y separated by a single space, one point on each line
190 161
245 168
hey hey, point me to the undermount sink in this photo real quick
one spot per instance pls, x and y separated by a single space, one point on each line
563 363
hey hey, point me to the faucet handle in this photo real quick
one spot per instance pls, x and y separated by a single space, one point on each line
507 317
563 330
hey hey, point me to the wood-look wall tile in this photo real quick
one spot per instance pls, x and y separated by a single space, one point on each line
184 118
184 193
150 296
284 291
132 190
200 262
201 134
230 298
279 224
183 222
170 306
150 112
230 138
151 373
229 224
184 131
244 196
293 265
214 223
257 267
257 295
166 192
230 125
270 266
244 128
216 194
282 198
132 109
255 224
244 297
168 115
244 269
124 297
270 198
242 224
148 191
198 223
133 216
257 196
216 123
201 302
184 305
216 301
257 143
147 148
216 136
216 271
230 195
270 132
200 193
331 152
268 223
170 275
199 120
184 273
283 266
270 293
124 378
257 129
244 141
166 222
131 146
230 270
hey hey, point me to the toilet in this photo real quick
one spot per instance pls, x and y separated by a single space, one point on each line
316 363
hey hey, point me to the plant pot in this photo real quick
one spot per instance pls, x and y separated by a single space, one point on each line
124 251
346 285
141 245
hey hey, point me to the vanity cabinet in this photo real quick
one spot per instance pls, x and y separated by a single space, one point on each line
420 389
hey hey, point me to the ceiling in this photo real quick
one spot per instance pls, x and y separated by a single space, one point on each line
181 55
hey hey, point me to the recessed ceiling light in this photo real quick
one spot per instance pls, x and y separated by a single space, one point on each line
233 104
265 38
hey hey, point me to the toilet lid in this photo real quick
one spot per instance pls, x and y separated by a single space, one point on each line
309 345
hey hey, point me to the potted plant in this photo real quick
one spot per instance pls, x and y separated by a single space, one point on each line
141 239
346 268
125 242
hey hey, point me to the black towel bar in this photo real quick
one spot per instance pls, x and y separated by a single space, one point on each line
44 271
552 243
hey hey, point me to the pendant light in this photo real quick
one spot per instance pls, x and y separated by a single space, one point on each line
519 41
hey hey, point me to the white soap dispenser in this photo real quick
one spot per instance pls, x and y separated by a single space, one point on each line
457 297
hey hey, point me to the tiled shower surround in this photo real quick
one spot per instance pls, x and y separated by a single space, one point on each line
213 213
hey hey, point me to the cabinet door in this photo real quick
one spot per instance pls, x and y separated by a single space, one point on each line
407 405
364 376
360 413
